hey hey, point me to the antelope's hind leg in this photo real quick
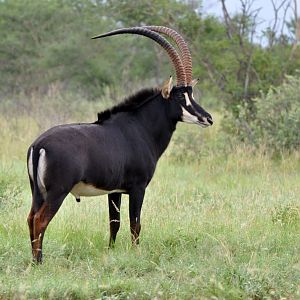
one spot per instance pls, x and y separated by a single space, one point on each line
30 224
31 213
41 220
114 204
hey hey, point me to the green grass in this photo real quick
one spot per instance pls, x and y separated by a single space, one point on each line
214 226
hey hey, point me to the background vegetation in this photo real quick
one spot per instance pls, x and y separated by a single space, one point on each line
46 45
221 217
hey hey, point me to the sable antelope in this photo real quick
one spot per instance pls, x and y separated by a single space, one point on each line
118 153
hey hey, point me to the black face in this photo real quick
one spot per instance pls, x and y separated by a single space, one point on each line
189 110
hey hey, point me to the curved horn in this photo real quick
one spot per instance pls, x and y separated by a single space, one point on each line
175 58
183 47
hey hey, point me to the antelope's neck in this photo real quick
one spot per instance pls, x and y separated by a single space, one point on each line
158 127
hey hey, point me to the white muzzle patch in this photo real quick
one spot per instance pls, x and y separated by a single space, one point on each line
188 117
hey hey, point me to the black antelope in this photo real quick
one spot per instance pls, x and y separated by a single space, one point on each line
118 153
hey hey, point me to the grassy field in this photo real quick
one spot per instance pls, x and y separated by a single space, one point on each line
215 225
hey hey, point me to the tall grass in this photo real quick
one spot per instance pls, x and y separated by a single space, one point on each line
219 221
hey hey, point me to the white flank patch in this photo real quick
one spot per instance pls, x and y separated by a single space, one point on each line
88 190
187 99
30 164
41 171
188 117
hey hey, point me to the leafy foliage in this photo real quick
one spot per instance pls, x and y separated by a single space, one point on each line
285 215
274 121
47 43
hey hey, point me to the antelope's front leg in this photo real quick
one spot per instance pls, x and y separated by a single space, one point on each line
114 204
136 198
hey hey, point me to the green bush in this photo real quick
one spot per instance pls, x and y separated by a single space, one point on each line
288 214
273 121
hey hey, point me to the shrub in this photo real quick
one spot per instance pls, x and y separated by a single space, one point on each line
274 119
286 215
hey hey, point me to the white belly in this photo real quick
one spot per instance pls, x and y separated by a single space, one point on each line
88 190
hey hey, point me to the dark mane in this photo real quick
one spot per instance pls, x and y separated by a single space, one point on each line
129 104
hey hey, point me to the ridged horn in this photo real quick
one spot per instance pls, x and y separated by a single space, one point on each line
183 47
175 58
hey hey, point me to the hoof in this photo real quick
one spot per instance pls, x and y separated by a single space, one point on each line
38 260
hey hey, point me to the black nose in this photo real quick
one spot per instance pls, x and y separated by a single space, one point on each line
210 121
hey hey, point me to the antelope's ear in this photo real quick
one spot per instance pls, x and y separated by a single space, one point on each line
167 87
194 82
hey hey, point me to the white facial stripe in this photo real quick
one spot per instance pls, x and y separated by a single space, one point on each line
187 99
195 110
30 164
41 171
188 117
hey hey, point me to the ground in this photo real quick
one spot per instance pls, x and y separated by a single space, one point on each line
214 226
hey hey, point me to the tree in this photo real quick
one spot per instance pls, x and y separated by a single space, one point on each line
47 41
237 63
